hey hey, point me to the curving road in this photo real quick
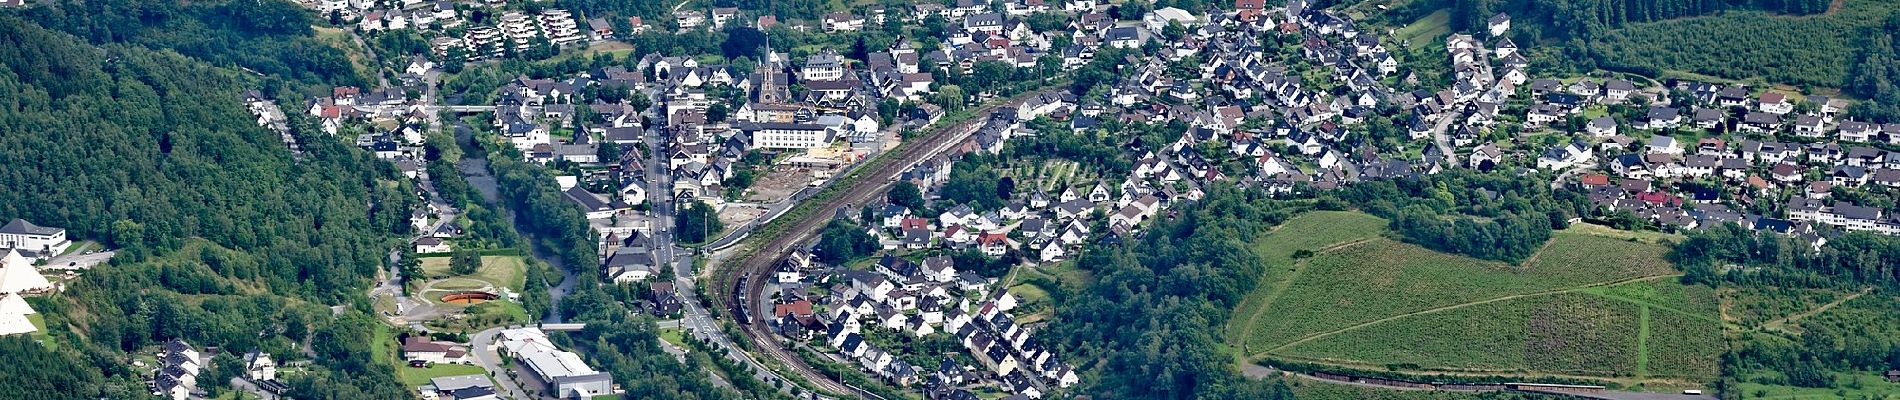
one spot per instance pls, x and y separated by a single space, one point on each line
758 264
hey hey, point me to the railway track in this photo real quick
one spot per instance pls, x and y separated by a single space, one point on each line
747 284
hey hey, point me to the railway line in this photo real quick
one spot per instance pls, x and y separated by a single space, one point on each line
747 278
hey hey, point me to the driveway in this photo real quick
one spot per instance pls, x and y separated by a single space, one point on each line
483 345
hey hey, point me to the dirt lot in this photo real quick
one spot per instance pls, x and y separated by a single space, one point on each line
737 215
778 183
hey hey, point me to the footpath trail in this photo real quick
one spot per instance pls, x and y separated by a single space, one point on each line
1299 268
1311 337
1781 324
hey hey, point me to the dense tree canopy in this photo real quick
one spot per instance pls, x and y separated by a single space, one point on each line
225 239
697 223
1490 216
272 37
1154 314
843 241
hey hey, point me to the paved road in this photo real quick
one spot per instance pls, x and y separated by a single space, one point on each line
239 383
1443 139
483 345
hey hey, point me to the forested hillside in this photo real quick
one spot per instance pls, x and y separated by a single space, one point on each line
1876 73
226 239
1836 346
1151 322
1808 44
271 37
1566 19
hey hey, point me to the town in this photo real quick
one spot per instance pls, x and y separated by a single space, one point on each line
938 170
1277 98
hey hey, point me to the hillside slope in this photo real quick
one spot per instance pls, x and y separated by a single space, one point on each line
226 239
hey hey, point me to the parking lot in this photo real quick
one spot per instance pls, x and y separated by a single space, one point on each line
78 260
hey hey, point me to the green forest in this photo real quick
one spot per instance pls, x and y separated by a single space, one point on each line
1149 327
1488 216
225 239
271 37
1856 337
1806 44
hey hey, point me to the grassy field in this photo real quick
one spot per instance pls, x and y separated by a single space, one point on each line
412 377
1592 302
382 344
39 324
482 316
1426 31
499 271
1600 230
674 336
1850 386
1647 329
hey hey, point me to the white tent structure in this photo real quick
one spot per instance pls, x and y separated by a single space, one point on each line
18 275
13 311
14 304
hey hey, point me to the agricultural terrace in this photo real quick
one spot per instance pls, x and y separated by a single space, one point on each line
1588 304
1563 333
1309 231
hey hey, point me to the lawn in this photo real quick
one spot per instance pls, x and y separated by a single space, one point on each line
674 336
39 326
235 395
482 316
1849 386
383 344
1427 31
412 377
1028 293
500 271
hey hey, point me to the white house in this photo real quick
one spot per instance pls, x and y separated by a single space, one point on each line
22 235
